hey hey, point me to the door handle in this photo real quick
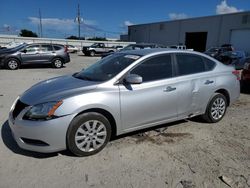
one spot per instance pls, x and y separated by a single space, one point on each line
209 82
169 89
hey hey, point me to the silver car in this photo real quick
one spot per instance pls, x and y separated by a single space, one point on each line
121 93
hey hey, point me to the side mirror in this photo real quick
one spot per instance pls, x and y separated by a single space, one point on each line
24 51
133 79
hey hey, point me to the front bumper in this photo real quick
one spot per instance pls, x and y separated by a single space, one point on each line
52 132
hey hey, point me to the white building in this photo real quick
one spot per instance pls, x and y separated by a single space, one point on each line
197 33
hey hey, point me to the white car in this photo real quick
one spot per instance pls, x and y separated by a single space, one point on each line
72 49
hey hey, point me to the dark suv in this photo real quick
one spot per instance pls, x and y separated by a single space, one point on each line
36 53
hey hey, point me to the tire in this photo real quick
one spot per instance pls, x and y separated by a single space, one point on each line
92 53
57 63
216 108
12 64
88 134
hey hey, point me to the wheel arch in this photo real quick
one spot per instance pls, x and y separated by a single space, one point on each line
56 57
225 93
106 114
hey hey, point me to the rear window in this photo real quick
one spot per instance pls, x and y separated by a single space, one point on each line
209 64
56 47
190 64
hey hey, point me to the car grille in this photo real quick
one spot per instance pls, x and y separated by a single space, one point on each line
18 108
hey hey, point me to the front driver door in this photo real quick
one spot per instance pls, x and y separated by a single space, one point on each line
153 101
31 54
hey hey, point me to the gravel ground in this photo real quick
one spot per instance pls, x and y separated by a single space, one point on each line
186 154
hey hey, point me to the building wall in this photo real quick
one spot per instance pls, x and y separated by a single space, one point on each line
218 29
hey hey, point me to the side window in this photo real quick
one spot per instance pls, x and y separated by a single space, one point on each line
209 64
32 48
189 64
46 48
155 68
56 47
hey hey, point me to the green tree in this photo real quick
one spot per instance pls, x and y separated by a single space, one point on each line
27 33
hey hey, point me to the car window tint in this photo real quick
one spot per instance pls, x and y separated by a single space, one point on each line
32 48
46 48
57 47
209 64
155 68
189 64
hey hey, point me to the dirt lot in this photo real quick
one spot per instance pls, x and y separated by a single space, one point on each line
185 154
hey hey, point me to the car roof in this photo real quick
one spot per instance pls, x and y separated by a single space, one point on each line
143 52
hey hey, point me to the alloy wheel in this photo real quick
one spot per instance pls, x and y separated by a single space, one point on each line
90 136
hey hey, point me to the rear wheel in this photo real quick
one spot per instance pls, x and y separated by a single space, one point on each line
88 134
57 63
12 64
216 108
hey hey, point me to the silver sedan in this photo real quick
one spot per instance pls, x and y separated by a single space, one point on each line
121 93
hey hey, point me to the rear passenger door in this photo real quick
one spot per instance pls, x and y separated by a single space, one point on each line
195 83
46 53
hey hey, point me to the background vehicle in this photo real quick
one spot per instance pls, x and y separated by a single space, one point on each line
235 58
36 53
215 52
179 47
12 45
97 48
245 75
121 94
137 46
72 49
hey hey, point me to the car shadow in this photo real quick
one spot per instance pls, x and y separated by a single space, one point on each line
11 144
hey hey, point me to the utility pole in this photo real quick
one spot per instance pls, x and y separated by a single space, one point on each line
41 28
79 20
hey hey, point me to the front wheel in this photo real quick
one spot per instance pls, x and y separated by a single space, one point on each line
216 108
12 64
57 63
92 53
88 134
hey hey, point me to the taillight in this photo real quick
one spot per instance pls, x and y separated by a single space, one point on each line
66 49
237 74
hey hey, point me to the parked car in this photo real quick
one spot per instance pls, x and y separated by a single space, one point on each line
245 75
215 52
121 94
12 45
137 46
36 53
180 47
235 58
72 49
97 48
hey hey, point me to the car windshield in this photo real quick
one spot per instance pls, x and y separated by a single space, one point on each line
95 45
107 68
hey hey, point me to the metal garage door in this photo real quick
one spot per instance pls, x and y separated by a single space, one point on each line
240 39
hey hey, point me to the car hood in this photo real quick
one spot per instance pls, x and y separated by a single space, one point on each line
56 89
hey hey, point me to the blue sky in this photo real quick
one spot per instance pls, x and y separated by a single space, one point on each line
108 18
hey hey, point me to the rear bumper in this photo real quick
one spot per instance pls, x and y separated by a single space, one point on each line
67 59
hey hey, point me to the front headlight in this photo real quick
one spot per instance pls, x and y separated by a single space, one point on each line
44 111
